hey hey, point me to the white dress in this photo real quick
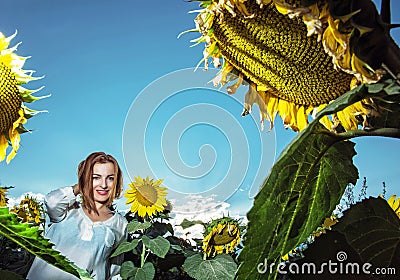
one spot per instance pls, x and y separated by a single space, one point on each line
86 243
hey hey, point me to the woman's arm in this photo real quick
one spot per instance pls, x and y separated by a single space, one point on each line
58 201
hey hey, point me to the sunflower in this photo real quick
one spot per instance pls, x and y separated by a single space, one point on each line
395 204
146 196
13 112
29 210
297 56
3 197
222 235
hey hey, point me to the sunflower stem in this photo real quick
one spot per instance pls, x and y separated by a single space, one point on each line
143 257
384 132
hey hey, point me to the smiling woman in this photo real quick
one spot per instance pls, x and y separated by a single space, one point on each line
88 232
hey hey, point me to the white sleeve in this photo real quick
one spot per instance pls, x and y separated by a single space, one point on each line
57 203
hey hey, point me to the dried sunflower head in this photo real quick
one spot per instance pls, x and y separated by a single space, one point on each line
297 55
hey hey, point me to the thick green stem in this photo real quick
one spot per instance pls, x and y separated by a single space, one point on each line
384 132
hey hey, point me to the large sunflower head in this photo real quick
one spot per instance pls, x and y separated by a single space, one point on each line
146 196
297 56
13 96
29 210
222 236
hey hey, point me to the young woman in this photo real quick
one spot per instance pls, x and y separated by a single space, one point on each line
87 232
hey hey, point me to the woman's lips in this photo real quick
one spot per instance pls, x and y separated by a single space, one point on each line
102 192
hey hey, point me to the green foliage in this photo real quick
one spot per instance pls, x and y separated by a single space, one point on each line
129 271
307 182
8 275
368 233
222 267
158 246
372 228
30 238
186 223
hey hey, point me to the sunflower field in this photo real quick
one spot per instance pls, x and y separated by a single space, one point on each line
329 69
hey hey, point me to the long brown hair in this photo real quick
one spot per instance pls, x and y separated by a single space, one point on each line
85 179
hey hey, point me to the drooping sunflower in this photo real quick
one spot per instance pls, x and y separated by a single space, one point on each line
222 236
395 204
146 196
13 96
29 210
298 55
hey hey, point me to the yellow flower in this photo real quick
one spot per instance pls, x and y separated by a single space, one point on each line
296 58
395 204
29 210
223 235
3 197
13 112
146 196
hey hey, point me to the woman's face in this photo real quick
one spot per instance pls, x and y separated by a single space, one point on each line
103 181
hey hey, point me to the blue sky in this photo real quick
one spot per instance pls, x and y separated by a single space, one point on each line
98 57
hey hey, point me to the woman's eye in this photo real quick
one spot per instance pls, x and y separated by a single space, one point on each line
111 178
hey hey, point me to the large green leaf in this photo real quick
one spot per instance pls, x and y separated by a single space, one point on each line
372 228
222 267
30 238
129 271
304 186
125 246
366 238
158 246
306 183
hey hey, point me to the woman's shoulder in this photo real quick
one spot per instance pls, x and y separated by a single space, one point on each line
119 220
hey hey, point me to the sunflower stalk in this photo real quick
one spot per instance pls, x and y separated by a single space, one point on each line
384 132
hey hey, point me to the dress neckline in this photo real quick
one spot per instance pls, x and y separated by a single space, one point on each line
87 218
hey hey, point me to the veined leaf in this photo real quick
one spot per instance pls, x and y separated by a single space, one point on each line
158 246
222 267
372 228
29 237
303 188
125 246
304 185
129 271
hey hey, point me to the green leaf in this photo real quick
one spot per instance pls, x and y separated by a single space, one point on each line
9 275
304 186
30 238
125 246
158 246
372 228
149 270
222 267
136 225
367 234
186 223
129 271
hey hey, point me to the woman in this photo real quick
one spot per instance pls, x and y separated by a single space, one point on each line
87 232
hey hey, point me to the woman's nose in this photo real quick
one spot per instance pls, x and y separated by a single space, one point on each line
104 184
